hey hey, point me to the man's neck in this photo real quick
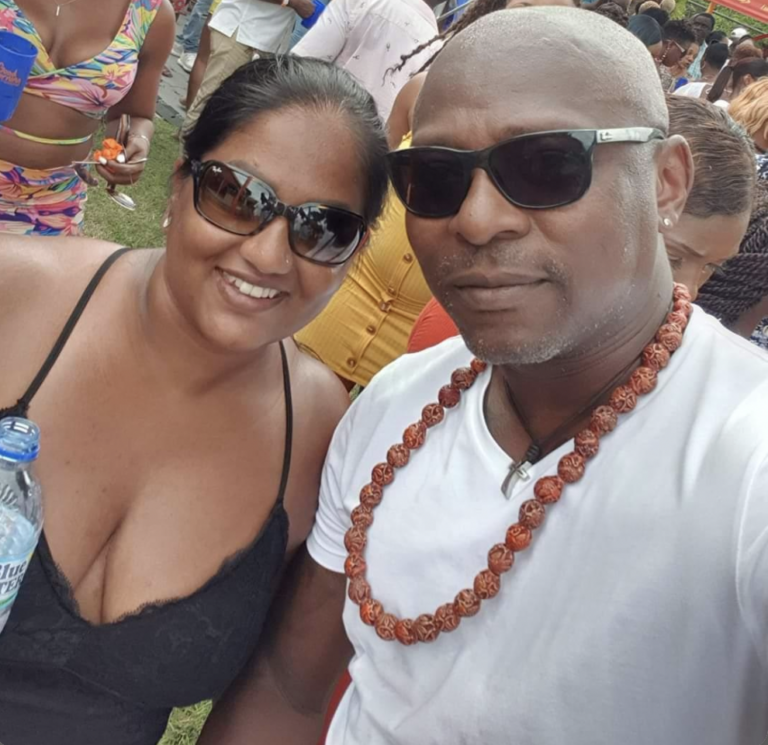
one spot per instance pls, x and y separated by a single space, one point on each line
550 394
174 351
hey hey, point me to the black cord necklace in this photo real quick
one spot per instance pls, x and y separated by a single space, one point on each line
518 471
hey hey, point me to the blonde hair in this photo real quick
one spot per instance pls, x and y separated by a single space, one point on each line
668 5
750 109
646 5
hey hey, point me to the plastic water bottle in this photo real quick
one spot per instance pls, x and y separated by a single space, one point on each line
21 506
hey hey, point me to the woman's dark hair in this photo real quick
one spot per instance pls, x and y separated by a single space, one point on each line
614 12
660 16
734 72
723 156
266 86
717 37
646 29
679 31
743 283
716 55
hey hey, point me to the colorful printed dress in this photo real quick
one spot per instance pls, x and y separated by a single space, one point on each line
51 201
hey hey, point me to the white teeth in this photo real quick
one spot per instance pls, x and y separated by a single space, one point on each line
248 289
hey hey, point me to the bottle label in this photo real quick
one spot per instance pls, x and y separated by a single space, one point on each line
11 576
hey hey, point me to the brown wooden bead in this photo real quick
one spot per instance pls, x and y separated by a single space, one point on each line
463 378
478 366
683 306
370 496
432 414
385 627
414 436
446 618
404 632
643 380
678 318
571 468
467 603
487 585
370 612
426 628
670 337
383 474
623 400
500 559
362 516
532 514
548 489
603 420
449 396
518 537
656 356
398 456
355 539
587 444
681 292
355 566
359 590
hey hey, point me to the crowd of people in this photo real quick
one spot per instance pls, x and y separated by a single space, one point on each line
548 286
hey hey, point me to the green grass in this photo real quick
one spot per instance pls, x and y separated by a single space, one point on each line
143 229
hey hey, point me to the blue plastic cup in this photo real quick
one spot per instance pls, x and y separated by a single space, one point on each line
17 55
312 20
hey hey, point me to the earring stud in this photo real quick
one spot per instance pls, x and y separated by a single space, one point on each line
667 222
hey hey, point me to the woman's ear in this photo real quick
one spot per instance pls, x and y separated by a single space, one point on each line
674 180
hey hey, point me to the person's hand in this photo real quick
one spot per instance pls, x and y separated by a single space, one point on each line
305 8
124 174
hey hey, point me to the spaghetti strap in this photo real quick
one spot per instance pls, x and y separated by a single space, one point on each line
22 405
288 427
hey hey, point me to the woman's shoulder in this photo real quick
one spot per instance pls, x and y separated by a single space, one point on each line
34 271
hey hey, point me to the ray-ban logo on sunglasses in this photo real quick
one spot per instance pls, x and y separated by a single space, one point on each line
216 169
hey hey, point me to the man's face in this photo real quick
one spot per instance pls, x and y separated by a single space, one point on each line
527 286
702 27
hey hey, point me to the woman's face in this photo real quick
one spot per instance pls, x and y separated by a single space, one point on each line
761 141
690 55
656 50
305 156
698 246
673 53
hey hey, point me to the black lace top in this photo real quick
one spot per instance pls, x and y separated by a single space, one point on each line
64 681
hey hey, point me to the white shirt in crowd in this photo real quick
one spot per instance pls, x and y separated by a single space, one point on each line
368 37
262 26
639 615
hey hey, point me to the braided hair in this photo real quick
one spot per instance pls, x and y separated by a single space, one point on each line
477 10
743 283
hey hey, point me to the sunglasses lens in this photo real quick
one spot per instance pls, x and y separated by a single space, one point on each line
430 182
326 235
231 200
543 170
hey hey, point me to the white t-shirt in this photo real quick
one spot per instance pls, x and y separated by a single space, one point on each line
263 26
639 616
368 37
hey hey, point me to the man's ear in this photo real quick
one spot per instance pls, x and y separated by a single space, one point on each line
674 180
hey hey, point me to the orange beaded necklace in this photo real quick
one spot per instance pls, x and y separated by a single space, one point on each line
547 491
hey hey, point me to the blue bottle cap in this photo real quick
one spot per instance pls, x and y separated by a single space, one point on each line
19 440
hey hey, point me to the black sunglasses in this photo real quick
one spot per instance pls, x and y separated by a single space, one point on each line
534 171
238 202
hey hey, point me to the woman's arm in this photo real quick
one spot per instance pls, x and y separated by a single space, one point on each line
401 117
283 694
142 98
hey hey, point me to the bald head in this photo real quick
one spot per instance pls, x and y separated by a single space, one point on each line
575 56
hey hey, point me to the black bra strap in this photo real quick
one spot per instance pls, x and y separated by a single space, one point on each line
288 426
22 405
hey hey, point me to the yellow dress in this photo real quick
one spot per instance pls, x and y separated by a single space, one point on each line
368 321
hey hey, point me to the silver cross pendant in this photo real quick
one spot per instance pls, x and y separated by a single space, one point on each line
517 472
